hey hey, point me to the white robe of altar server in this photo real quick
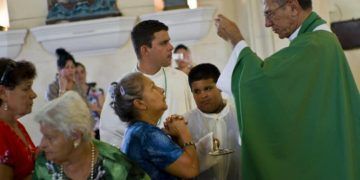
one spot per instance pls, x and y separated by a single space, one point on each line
224 127
178 98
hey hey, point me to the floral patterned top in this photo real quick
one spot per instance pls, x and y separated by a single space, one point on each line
14 152
57 174
111 164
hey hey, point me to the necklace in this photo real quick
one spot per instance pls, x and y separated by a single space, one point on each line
165 90
92 164
165 81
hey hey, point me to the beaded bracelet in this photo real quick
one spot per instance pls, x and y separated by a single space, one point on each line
190 143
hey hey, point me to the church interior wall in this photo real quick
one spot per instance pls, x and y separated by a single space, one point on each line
104 69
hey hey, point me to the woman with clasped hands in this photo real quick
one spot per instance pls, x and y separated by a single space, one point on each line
16 99
140 103
70 152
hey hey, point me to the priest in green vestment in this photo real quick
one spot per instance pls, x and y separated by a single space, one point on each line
299 109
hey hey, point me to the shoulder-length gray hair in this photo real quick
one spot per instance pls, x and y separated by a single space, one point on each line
130 87
68 113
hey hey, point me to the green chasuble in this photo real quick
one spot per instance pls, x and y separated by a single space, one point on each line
299 110
112 164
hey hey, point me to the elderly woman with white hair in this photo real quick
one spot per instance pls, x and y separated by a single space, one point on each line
68 149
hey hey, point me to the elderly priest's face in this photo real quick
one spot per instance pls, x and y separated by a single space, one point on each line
283 18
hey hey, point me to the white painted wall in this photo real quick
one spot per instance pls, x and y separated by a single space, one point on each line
107 68
341 10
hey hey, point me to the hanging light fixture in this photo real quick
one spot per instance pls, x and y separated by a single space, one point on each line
4 16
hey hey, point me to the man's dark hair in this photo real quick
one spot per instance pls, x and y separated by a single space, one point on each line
143 34
63 58
180 46
202 72
305 4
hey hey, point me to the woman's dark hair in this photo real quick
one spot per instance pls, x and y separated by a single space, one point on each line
12 73
202 72
63 57
124 93
77 64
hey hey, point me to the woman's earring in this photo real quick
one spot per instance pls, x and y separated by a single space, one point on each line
76 144
5 106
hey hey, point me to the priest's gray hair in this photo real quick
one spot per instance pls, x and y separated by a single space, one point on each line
68 113
305 4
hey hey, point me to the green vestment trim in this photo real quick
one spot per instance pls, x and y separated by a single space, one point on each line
299 110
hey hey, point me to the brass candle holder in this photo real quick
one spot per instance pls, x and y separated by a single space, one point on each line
217 151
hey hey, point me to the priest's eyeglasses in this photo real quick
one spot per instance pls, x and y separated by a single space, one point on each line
4 77
269 14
